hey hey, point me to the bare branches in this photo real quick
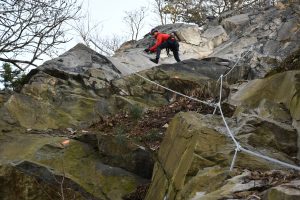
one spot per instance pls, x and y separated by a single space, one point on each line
135 20
85 28
91 36
29 29
107 45
159 6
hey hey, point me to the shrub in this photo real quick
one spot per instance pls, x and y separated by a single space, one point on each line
12 79
153 135
120 133
135 112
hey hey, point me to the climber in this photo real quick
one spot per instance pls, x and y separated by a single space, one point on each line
163 41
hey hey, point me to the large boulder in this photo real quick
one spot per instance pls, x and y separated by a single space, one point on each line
236 21
275 97
83 63
216 35
282 88
7 121
70 90
195 142
51 160
48 102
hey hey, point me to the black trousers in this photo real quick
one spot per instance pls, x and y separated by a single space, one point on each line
170 44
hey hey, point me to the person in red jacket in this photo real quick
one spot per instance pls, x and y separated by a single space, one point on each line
163 41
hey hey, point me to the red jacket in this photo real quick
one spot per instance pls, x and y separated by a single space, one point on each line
160 38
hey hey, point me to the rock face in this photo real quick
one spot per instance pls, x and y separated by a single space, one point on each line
50 101
44 157
40 184
84 62
120 152
262 38
196 153
191 77
64 91
216 35
272 34
282 90
266 120
58 97
275 97
69 91
287 191
81 87
236 21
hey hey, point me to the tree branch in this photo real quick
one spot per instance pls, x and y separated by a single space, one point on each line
32 28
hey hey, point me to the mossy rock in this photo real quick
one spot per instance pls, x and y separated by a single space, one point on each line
282 88
194 142
288 191
208 180
15 184
77 161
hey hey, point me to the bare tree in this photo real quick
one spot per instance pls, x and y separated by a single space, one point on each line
135 20
31 28
159 6
85 28
90 33
107 45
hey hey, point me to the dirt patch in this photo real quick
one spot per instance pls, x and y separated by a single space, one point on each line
150 126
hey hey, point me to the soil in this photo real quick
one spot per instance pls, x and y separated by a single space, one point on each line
150 126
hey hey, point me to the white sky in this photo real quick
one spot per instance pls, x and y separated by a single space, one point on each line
110 13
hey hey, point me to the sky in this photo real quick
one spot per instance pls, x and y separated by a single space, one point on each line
109 15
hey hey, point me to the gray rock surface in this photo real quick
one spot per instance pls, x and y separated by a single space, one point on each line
215 35
197 151
235 22
288 191
272 34
83 62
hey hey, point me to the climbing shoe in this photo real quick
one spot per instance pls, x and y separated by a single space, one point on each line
154 60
